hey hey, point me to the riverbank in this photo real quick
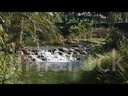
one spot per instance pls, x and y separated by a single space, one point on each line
109 67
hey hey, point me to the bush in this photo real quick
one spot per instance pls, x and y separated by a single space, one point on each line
101 32
116 35
123 48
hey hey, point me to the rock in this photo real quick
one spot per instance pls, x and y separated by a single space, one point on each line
29 56
39 56
33 59
75 52
72 50
83 52
74 45
44 59
76 49
25 52
74 55
78 58
72 42
53 50
34 50
49 50
60 53
40 53
31 53
69 53
63 49
36 53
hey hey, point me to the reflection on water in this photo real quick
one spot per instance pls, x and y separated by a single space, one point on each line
51 73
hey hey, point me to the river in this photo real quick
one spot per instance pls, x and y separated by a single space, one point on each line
61 72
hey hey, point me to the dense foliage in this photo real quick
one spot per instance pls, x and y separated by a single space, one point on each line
41 28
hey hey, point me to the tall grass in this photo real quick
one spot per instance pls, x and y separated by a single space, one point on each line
10 71
105 69
10 61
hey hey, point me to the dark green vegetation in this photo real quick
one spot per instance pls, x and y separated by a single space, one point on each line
61 28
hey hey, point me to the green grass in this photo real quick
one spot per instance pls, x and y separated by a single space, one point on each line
96 39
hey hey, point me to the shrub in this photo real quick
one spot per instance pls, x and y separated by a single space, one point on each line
110 75
101 32
123 48
116 35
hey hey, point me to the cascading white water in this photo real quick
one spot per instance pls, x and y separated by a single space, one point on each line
53 58
56 57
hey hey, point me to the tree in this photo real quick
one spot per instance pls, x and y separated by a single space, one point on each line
69 19
65 18
22 25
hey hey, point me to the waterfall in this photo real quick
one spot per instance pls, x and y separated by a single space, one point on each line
51 58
